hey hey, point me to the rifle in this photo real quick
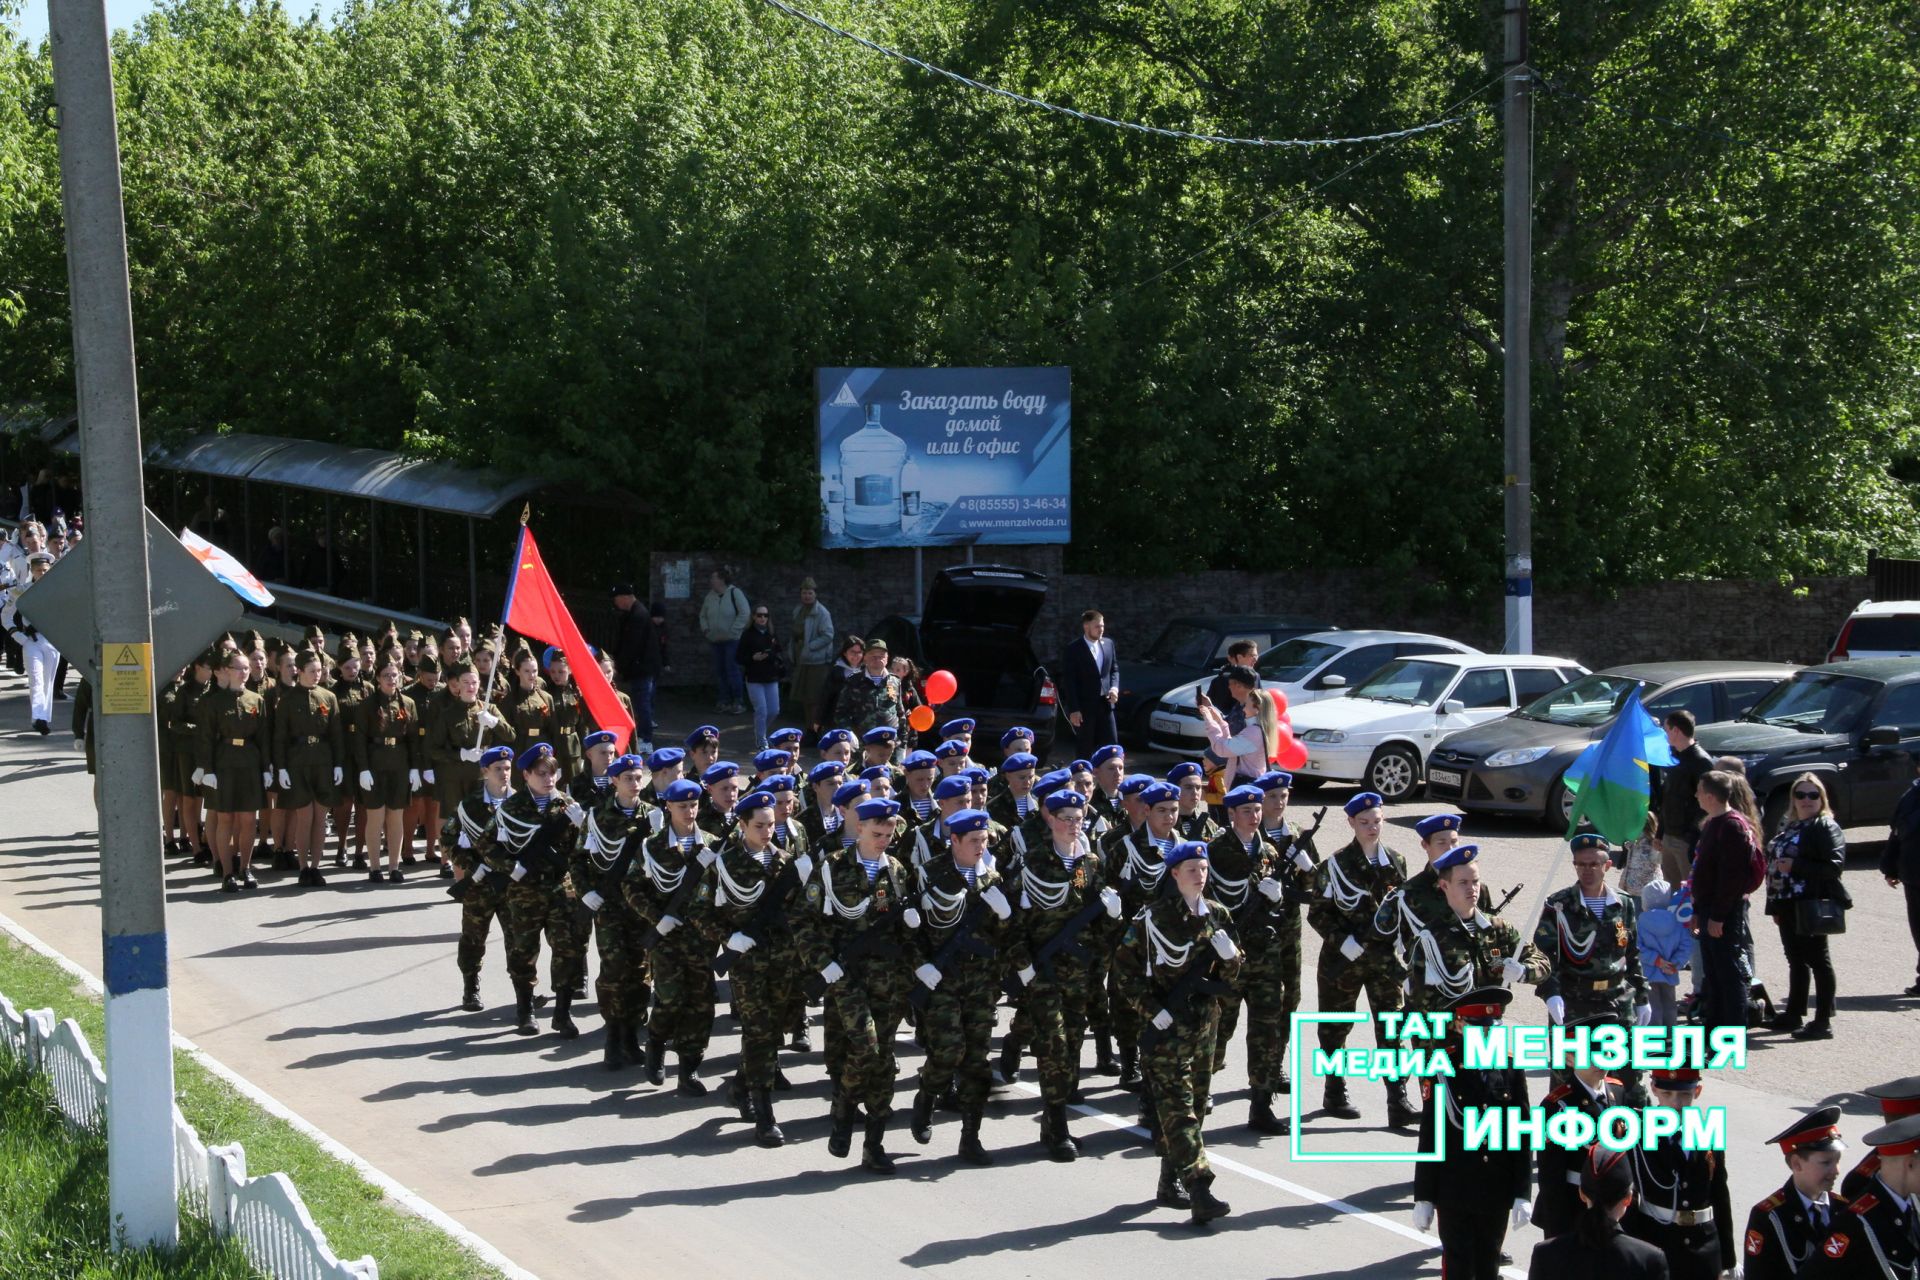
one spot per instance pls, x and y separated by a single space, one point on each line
1066 941
1294 891
1511 895
876 941
766 915
962 940
1193 984
682 898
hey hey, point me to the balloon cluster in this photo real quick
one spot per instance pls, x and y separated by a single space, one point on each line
1291 753
941 686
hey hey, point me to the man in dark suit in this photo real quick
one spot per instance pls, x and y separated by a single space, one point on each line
1091 685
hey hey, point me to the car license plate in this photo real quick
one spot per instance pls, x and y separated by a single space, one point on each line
1165 724
1445 777
1313 766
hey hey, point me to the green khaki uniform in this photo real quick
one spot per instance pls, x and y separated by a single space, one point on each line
870 999
957 1020
601 857
539 838
866 703
309 743
384 740
1347 892
232 745
456 730
350 694
529 714
1048 891
467 841
568 713
757 894
1594 965
182 740
669 878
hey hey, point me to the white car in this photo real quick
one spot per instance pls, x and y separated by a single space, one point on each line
1382 732
1324 664
1879 629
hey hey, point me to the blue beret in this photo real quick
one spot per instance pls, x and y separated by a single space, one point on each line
876 771
968 820
1184 770
1458 856
624 764
1018 731
918 760
957 785
705 733
551 652
1065 799
1048 783
1158 793
533 755
1185 851
977 775
1587 840
778 783
772 758
785 735
494 755
1437 822
849 792
680 790
719 771
665 757
825 770
1246 794
1134 783
1274 780
1112 751
955 727
870 810
1361 803
1080 766
1019 762
752 800
596 738
832 736
949 749
880 735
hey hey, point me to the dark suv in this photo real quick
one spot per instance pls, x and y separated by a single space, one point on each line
1854 724
978 623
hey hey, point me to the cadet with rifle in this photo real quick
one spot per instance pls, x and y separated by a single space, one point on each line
535 828
1246 875
665 887
480 869
607 847
1138 869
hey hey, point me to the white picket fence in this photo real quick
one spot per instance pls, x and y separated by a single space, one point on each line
265 1214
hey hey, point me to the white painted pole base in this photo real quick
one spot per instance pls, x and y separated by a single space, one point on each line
140 1170
1519 624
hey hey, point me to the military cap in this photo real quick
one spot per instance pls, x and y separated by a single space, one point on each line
779 783
848 792
40 557
1112 751
623 589
1482 1004
624 764
533 755
549 654
1361 803
1606 1177
968 820
1588 840
1158 793
599 737
881 735
1185 851
1065 799
494 755
918 760
876 809
1901 1138
1675 1079
1897 1098
719 771
1019 762
871 772
949 788
1818 1130
825 770
1048 783
666 758
975 774
745 805
681 789
1078 766
957 726
1018 731
950 749
877 643
1434 823
706 734
1458 856
789 736
455 670
1184 770
1134 783
1246 794
832 736
772 758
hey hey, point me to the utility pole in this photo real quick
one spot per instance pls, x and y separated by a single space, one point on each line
1517 338
140 1175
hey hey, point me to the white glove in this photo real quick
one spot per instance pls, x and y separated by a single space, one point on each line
740 944
593 900
208 781
1511 971
519 872
1110 899
266 777
1302 860
804 865
286 781
575 814
1162 1020
1422 1215
1269 889
479 871
199 777
1350 948
912 917
487 719
1556 1009
338 773
1223 945
928 975
1642 1014
996 902
1522 1215
470 755
667 925
366 779
1026 976
426 776
832 973
706 855
413 779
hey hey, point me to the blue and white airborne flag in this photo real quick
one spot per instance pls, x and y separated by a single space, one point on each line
229 570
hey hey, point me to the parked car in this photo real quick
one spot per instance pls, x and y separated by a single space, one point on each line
1190 648
977 622
1879 629
1382 732
1855 724
1307 668
1515 764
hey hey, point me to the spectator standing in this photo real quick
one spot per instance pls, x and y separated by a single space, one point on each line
1723 866
853 652
1241 655
1804 864
1248 750
1680 813
1092 685
764 664
811 637
1640 859
912 694
1900 864
274 565
638 657
723 616
1665 949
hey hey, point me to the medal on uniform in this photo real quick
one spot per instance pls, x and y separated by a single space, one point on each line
880 897
1620 934
1080 876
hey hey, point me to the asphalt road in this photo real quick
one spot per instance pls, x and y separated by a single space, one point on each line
342 1003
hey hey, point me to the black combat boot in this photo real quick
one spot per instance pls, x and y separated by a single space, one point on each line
1171 1194
1336 1102
1009 1057
1129 1067
630 1037
523 1011
1401 1113
656 1059
1149 1118
920 1124
1103 1063
1283 1083
1206 1206
970 1149
1054 1136
690 1085
614 1052
840 1141
1261 1118
470 993
741 1097
765 1131
563 1017
873 1154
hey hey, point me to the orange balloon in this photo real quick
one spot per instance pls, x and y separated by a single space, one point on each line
920 719
941 686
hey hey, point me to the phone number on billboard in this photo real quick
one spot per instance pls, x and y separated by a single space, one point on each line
1056 502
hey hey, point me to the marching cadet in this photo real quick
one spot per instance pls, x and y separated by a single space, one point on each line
1682 1209
876 748
720 789
983 788
703 749
1176 955
467 842
536 827
928 841
591 785
963 911
768 762
278 844
1015 802
1590 936
528 708
789 740
1049 947
1473 1198
385 751
1033 832
309 748
836 745
950 757
822 818
1348 889
1109 768
916 795
1898 1099
665 889
349 690
1299 857
1461 947
597 870
181 743
1557 1204
41 658
665 767
1137 869
961 728
752 883
1405 911
568 712
850 932
1246 876
234 761
423 810
1016 741
1785 1229
1112 836
879 780
1193 822
1879 1234
1594 1247
465 728
790 834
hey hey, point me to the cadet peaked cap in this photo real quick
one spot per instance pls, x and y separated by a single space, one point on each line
1901 1138
1818 1130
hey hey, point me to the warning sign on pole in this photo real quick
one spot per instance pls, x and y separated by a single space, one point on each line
126 679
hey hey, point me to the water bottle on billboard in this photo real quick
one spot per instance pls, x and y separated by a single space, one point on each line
910 492
871 460
833 502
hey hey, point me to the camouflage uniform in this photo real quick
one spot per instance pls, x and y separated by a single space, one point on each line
1408 910
766 980
1269 933
1136 869
606 848
1348 891
866 703
539 838
871 998
1594 965
1450 957
959 1014
682 961
466 840
1053 1009
1198 825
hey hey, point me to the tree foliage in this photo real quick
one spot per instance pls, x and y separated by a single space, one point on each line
608 241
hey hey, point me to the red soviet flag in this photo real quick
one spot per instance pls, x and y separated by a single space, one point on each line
535 610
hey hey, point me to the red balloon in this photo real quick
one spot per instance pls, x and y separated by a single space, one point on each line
941 686
1279 704
1292 754
920 719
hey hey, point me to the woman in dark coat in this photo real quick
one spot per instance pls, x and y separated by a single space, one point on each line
1804 863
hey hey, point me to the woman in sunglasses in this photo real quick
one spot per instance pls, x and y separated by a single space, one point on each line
763 662
1804 862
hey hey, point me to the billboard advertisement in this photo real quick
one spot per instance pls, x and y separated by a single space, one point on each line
943 457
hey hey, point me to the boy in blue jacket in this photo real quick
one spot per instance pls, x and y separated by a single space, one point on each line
1665 949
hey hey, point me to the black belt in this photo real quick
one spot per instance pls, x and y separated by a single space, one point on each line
386 742
311 739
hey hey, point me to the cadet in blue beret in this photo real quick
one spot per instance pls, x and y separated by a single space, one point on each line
533 755
719 771
927 842
916 787
679 791
1079 768
827 771
620 765
535 825
1139 866
952 787
881 735
778 784
1241 795
745 806
494 755
703 748
666 765
877 809
1408 909
1185 851
1258 887
961 727
1194 823
1361 803
1051 781
590 785
1063 800
1018 738
878 750
597 867
1184 770
843 826
599 737
1015 802
674 926
787 740
1274 780
837 744
820 818
1112 751
721 781
968 820
879 778
772 760
849 793
467 843
951 755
